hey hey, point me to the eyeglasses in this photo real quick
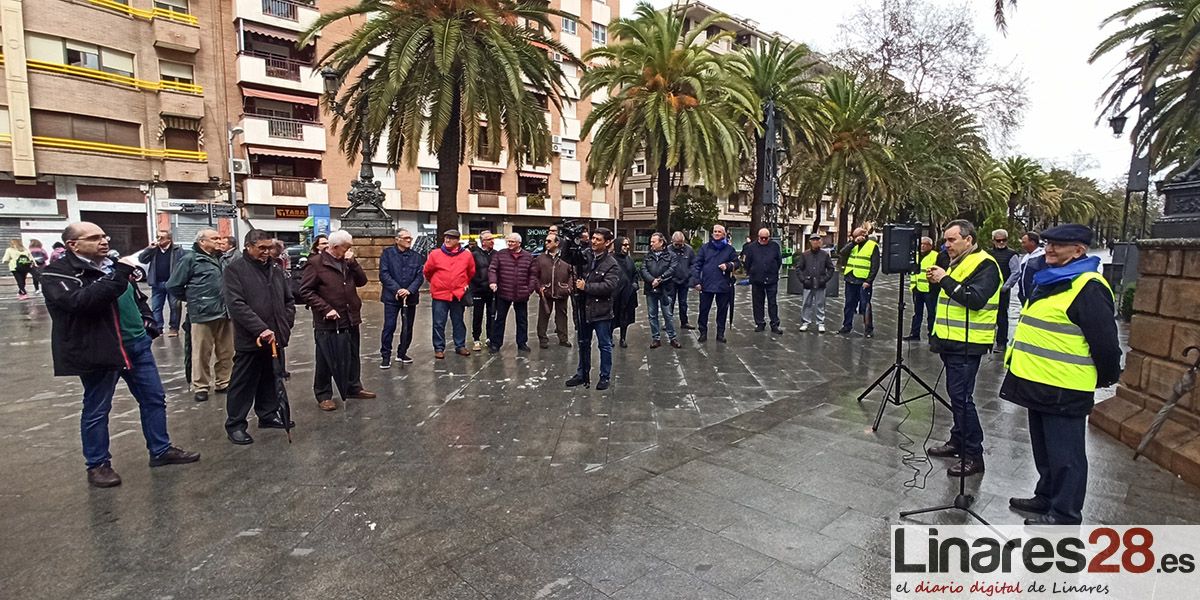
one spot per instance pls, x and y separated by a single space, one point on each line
92 238
764 237
404 237
1000 240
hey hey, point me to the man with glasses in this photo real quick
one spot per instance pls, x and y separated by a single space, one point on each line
712 275
162 256
197 279
763 260
400 275
1003 255
102 331
513 278
483 315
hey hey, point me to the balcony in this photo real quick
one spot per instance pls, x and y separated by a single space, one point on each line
174 35
487 202
285 191
179 104
292 15
291 75
524 206
283 133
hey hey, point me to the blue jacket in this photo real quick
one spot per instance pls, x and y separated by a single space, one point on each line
706 270
401 270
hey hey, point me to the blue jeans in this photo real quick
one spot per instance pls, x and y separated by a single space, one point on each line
160 296
407 315
146 387
603 331
858 300
453 310
967 433
666 304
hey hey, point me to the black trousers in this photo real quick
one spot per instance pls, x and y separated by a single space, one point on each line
1002 318
706 302
323 375
681 295
924 305
767 291
483 314
496 338
406 315
251 384
1060 455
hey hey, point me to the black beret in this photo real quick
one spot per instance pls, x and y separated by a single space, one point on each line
1069 233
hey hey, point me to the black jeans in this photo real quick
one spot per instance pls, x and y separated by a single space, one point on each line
967 433
681 295
924 305
496 339
252 384
1002 318
706 302
20 275
323 375
1060 455
485 308
406 315
767 291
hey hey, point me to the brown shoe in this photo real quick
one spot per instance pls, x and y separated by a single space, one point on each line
655 344
676 344
327 405
462 352
103 476
363 395
439 355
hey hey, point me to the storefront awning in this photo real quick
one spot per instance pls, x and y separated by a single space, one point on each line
533 175
279 96
284 153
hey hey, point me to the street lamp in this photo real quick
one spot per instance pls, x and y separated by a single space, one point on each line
1117 122
366 215
233 132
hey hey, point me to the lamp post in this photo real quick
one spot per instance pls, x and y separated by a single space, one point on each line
233 133
366 215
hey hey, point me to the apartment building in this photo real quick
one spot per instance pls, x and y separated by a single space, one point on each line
108 114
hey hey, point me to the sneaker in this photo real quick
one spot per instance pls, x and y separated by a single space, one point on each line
173 333
869 334
820 329
174 456
405 359
103 476
804 327
385 362
201 396
577 380
477 346
23 297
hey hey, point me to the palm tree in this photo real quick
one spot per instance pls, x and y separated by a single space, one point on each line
671 99
1031 192
447 65
1001 15
778 74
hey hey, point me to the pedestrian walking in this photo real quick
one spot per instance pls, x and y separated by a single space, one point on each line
329 288
450 270
763 260
1028 265
924 300
40 260
625 300
1065 347
712 274
596 283
512 278
555 278
685 259
815 270
964 330
102 330
20 263
658 275
197 279
861 259
400 277
263 313
1003 255
483 299
162 256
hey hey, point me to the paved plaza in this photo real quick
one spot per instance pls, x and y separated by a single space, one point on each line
745 470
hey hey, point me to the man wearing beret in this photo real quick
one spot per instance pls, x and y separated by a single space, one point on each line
1064 348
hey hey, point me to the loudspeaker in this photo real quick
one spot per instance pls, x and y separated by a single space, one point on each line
900 246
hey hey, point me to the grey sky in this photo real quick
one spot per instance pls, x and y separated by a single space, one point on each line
1048 42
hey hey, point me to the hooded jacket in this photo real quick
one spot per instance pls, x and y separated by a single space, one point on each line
197 280
449 272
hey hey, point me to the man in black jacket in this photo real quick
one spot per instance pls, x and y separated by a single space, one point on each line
1003 255
400 279
263 311
763 259
685 258
597 281
1065 347
658 272
102 331
815 269
483 315
162 256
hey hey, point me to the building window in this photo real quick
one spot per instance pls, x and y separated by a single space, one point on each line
482 147
181 139
639 166
599 34
177 6
176 72
86 56
570 26
88 129
566 150
532 186
78 54
429 180
641 239
639 198
485 181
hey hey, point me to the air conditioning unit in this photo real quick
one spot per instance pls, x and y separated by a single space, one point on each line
241 166
558 57
556 144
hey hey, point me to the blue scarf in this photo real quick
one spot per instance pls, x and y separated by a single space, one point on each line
719 244
1067 272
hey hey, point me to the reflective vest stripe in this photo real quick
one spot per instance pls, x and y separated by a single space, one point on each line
858 263
1048 348
1063 328
1053 354
954 322
947 301
971 325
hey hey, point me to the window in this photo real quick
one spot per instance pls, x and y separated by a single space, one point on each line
482 148
82 55
485 181
639 166
712 31
115 61
570 26
568 191
77 54
599 34
568 109
429 180
4 120
530 186
566 150
181 139
639 198
89 129
179 6
176 72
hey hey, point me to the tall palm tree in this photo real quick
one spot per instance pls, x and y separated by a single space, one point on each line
671 98
1031 192
1001 14
447 65
778 74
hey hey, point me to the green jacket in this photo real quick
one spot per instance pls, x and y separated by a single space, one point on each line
197 280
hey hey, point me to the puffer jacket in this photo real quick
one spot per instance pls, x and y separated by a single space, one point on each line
661 266
449 273
483 260
602 276
554 274
197 280
515 275
331 284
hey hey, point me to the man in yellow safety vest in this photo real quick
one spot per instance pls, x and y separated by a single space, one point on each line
924 299
963 331
860 260
1065 347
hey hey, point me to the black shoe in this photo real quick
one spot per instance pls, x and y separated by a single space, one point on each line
577 380
602 384
869 334
524 348
623 344
103 476
720 338
385 362
843 331
675 344
1046 519
703 338
966 468
222 390
944 451
240 437
201 397
760 328
275 423
776 330
686 326
912 338
493 349
174 456
565 344
1036 505
543 344
405 359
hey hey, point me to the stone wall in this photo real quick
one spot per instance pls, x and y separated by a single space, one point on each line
368 250
1166 320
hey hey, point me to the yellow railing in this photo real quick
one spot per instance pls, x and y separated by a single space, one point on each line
149 15
103 148
141 84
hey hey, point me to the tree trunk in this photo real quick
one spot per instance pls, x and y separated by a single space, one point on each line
449 156
760 174
843 220
662 205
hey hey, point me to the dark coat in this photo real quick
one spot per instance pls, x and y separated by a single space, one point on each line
1003 256
152 255
1092 311
85 334
625 299
763 261
706 271
401 270
815 269
601 276
483 261
197 281
331 284
974 292
685 258
515 275
554 275
661 266
259 298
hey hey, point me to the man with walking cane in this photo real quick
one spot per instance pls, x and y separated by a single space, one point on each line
400 276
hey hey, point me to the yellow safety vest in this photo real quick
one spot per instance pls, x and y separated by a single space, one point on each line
1048 348
918 281
859 262
953 319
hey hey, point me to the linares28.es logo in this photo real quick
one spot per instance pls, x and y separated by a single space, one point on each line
1109 551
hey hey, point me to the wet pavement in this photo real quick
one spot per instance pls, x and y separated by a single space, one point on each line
745 470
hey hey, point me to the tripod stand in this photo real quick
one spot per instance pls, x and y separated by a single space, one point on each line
892 393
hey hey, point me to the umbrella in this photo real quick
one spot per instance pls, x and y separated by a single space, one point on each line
187 349
1182 387
281 376
337 348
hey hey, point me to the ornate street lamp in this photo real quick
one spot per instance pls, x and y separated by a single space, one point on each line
366 215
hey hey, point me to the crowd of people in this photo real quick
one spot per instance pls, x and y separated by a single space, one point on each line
241 307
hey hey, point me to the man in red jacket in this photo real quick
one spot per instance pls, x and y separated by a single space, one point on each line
513 277
449 269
